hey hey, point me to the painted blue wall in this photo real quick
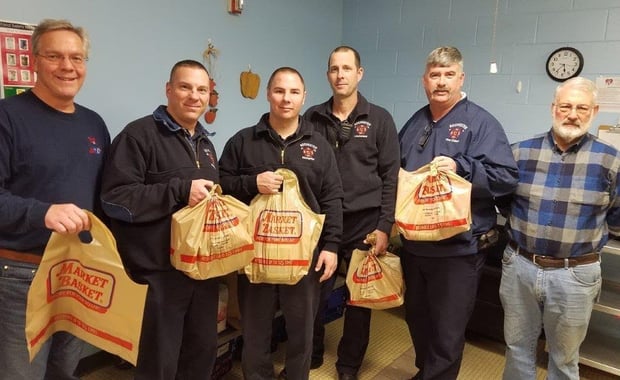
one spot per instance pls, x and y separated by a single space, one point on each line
395 38
136 42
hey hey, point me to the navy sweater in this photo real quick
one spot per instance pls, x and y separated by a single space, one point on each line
46 157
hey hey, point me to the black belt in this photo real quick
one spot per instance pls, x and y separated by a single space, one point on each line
22 257
555 262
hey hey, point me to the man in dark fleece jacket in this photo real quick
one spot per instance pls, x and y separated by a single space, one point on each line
365 142
159 164
282 139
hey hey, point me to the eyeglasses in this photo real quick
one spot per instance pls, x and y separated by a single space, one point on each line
427 133
565 109
77 60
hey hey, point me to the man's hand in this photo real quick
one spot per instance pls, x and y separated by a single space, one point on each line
329 261
269 182
381 243
444 163
66 218
199 191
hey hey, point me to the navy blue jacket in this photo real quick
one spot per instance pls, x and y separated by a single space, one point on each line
476 141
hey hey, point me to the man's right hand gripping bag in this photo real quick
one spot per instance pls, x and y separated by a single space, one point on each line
432 205
286 232
210 239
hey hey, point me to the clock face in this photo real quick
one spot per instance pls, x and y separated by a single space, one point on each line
564 63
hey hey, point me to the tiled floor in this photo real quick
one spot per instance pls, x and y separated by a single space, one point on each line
390 356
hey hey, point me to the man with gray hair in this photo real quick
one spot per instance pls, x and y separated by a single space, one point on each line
51 159
441 277
551 272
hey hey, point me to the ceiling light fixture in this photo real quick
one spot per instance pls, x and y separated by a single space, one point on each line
493 67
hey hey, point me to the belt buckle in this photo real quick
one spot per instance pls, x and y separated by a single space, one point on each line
534 256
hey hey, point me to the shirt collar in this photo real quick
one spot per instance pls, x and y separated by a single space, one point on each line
571 149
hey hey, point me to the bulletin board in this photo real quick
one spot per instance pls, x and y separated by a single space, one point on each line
16 58
610 134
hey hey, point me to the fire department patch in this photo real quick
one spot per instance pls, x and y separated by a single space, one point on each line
361 129
455 131
308 151
211 156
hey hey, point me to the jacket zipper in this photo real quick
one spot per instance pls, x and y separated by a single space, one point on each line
188 141
284 146
196 157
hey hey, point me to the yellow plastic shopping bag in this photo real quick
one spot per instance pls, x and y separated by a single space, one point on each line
374 281
211 239
432 204
82 288
286 232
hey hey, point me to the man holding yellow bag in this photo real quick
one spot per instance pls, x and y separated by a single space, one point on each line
159 164
249 167
441 277
51 157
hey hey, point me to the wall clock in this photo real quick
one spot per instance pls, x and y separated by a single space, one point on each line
564 63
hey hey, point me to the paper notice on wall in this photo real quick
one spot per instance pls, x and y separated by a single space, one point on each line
608 93
16 58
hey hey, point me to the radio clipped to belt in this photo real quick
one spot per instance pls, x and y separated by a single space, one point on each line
488 239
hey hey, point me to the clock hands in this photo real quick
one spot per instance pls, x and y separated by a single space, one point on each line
564 63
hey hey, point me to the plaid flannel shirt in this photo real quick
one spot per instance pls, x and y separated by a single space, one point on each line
566 202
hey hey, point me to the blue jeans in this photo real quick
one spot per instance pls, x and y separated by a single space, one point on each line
560 300
59 355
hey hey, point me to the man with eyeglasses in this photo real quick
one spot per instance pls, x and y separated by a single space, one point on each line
441 277
51 158
566 204
365 141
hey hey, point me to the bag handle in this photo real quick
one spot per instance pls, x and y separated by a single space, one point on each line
216 189
290 179
100 232
291 182
430 167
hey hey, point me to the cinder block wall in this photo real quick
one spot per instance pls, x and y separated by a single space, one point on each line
395 36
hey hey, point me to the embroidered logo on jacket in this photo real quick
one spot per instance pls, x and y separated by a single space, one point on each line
455 131
361 129
308 151
93 148
210 156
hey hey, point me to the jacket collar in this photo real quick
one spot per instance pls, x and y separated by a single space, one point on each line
263 127
162 116
362 108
